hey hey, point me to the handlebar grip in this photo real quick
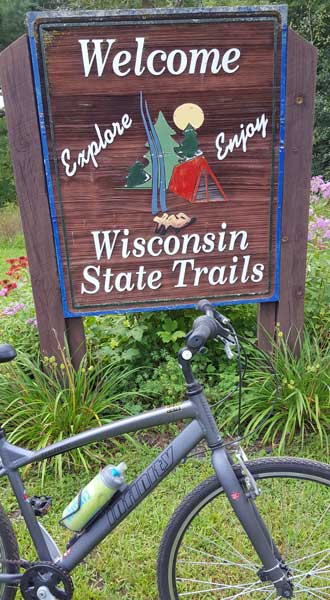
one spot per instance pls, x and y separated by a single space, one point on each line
204 328
205 307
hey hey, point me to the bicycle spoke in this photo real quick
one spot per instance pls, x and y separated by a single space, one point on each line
224 562
311 592
254 566
292 562
308 573
317 524
219 587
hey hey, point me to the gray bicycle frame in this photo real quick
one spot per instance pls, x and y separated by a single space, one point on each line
202 426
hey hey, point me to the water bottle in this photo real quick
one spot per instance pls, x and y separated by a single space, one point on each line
93 497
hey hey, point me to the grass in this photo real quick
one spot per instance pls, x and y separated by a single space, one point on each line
124 565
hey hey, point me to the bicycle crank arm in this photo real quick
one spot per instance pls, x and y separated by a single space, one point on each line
253 524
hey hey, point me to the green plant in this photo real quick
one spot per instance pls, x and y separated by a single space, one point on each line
165 384
38 409
303 403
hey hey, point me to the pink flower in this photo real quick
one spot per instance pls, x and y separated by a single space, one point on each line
316 183
3 292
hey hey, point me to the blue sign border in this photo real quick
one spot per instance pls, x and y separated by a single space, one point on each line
34 18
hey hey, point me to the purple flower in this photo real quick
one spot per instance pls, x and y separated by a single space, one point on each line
320 222
325 189
3 292
12 309
316 183
32 321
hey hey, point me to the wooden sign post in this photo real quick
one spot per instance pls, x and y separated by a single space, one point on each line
162 154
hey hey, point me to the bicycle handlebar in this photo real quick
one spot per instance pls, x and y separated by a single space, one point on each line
211 325
204 328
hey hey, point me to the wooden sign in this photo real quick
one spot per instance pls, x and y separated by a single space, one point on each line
163 143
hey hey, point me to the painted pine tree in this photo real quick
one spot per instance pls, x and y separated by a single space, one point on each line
136 175
189 145
165 133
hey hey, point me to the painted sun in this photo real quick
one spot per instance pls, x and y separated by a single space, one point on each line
188 114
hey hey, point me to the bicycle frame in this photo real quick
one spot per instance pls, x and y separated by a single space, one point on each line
203 426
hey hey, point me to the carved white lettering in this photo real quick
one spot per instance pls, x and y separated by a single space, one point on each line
97 53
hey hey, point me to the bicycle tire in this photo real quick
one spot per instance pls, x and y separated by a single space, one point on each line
8 551
206 511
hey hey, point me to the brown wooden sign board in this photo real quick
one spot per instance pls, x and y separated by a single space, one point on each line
163 146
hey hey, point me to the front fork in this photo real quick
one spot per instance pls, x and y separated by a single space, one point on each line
273 568
246 511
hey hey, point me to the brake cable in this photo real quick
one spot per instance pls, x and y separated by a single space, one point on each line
241 375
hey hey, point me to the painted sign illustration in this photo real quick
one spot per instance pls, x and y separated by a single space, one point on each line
182 169
163 141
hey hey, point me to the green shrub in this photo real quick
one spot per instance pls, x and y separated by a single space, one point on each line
142 338
303 404
37 409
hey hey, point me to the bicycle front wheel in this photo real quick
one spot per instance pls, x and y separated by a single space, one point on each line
205 554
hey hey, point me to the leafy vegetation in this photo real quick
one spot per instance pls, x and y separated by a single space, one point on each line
38 409
302 404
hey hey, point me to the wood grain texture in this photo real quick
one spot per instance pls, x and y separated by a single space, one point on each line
300 95
26 154
95 198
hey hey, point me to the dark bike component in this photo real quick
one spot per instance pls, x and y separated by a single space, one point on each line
43 578
212 325
41 504
7 353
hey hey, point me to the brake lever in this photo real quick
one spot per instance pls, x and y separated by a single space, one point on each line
228 340
221 318
228 351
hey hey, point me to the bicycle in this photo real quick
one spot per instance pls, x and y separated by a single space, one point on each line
225 540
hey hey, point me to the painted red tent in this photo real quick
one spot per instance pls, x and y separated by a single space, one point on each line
195 181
